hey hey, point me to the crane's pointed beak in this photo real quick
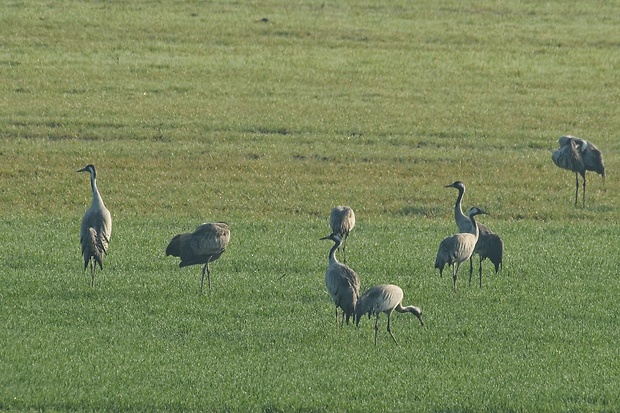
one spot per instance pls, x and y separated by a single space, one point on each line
83 169
327 237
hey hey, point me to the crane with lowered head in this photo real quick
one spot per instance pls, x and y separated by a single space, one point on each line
385 298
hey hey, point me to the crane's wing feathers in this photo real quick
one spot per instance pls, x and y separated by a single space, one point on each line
341 220
578 155
203 245
341 278
92 248
456 248
95 232
379 299
343 286
483 229
593 159
568 157
490 246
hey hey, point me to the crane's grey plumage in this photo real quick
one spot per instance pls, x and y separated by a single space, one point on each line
342 283
342 221
458 248
489 244
579 156
383 299
206 244
96 228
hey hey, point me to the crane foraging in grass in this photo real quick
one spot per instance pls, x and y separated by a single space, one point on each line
342 221
579 156
342 283
386 299
95 229
458 248
206 244
489 244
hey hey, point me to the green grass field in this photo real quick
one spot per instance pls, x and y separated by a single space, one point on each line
265 115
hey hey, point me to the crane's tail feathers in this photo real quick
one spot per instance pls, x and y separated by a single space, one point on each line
440 264
496 251
92 248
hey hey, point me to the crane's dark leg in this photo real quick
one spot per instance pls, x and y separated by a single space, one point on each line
471 267
455 274
202 281
336 316
576 187
209 275
584 190
92 273
206 268
480 271
389 330
376 327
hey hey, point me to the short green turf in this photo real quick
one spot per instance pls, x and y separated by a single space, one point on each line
265 115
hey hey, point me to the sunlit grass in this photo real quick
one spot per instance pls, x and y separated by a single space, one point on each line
266 115
265 336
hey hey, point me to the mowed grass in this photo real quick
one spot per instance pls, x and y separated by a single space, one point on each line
541 335
200 112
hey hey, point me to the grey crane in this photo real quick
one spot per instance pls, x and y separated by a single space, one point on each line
206 244
342 221
489 244
96 228
458 248
579 156
383 299
342 283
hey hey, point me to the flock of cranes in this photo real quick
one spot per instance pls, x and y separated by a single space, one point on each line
208 242
343 285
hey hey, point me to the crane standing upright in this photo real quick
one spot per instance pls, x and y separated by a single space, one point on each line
579 156
96 228
206 244
342 221
458 248
489 244
342 283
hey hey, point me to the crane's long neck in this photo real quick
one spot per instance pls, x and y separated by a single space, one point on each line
332 253
410 309
96 195
458 207
476 232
